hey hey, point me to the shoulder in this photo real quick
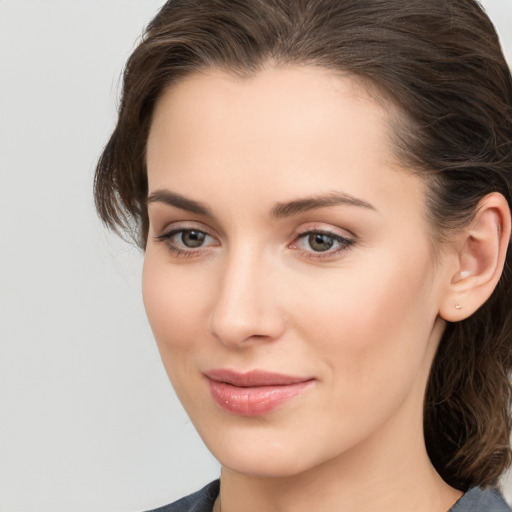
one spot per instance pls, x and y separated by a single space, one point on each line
200 501
481 500
475 500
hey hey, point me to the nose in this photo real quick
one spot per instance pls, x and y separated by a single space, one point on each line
246 309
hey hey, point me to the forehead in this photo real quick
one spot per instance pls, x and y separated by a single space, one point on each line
274 94
297 130
291 107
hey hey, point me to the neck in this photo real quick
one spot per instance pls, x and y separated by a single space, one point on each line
388 473
418 488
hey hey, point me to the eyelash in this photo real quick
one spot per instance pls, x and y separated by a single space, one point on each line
175 250
344 243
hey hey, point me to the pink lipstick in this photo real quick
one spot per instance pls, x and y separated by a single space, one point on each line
253 393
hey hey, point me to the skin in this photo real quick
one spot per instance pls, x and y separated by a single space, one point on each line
363 322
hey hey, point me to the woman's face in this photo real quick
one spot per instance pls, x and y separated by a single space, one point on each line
289 276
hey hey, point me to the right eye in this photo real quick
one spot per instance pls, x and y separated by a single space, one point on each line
184 242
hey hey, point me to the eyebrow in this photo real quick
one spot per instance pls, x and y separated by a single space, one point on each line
178 201
297 206
279 210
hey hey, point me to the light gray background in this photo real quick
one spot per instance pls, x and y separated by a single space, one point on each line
88 421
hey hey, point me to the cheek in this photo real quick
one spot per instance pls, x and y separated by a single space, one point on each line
173 304
175 300
374 323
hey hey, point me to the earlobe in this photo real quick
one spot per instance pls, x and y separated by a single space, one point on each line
481 251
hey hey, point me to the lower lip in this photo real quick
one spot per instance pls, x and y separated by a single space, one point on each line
257 400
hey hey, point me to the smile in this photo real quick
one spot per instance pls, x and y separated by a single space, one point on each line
254 393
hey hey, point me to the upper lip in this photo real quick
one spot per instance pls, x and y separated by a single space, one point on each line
253 378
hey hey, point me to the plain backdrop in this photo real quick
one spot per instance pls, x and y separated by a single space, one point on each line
88 421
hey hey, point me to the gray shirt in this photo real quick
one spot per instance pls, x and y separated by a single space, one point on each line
475 500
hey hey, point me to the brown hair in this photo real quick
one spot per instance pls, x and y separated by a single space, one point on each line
440 63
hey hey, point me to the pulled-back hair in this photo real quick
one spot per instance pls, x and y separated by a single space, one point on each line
439 64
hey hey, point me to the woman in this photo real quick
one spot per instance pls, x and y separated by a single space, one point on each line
322 192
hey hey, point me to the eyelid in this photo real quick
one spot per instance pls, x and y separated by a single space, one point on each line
328 229
185 226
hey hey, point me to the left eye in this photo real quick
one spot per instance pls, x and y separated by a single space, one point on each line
318 241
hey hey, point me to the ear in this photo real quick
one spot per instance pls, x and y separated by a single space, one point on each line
481 248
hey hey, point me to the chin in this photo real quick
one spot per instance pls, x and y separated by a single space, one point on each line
262 459
268 466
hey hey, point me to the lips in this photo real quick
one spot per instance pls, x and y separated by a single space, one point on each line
254 393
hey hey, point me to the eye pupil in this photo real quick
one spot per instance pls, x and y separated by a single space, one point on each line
192 238
320 242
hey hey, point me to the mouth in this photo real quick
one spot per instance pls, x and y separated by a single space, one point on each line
254 393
